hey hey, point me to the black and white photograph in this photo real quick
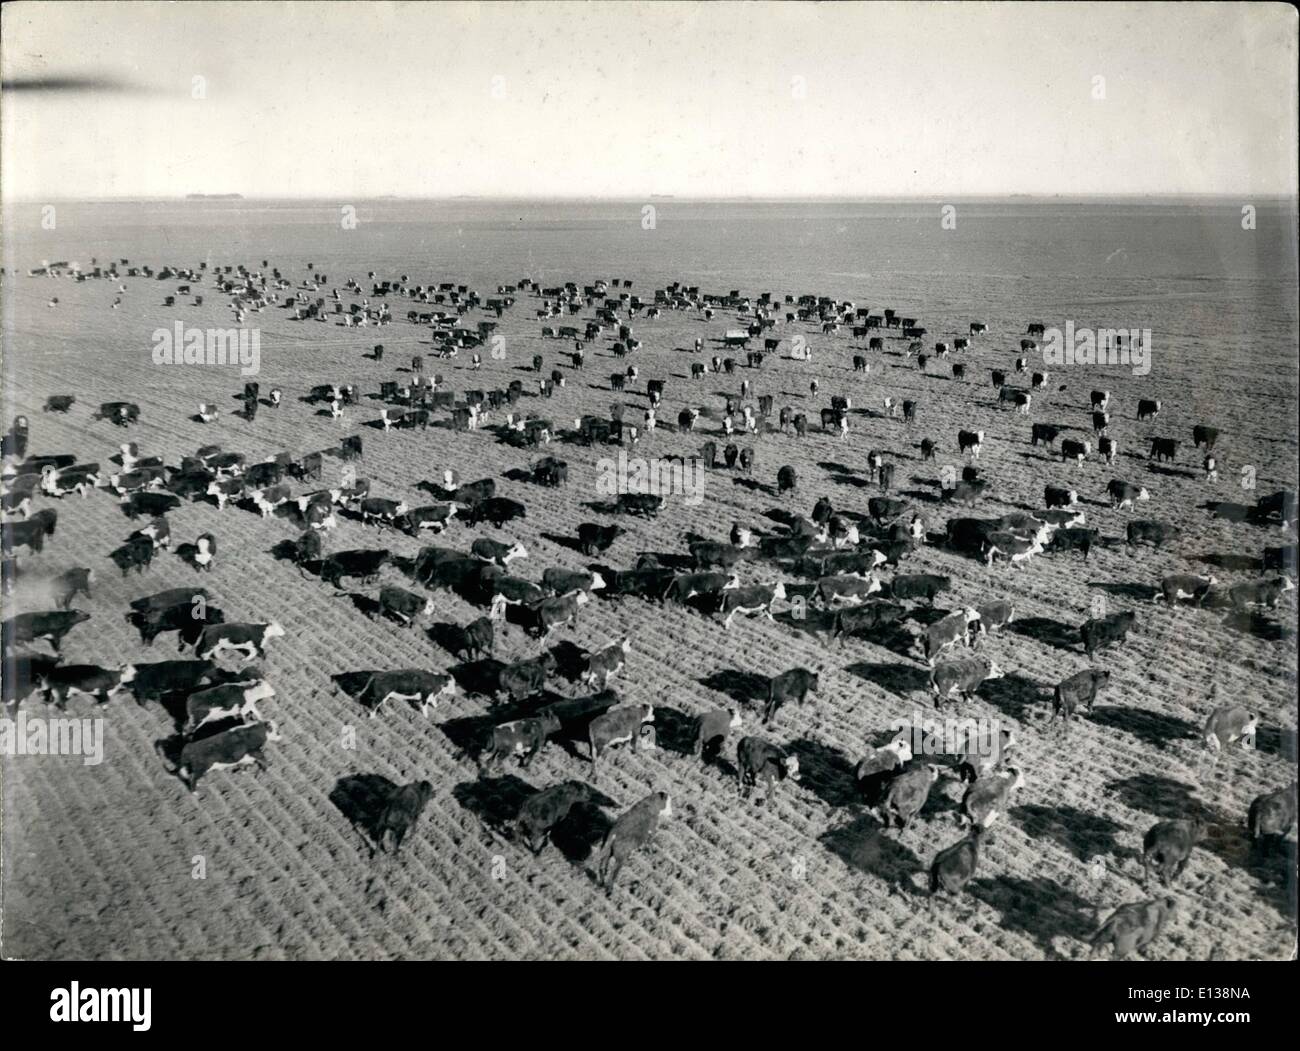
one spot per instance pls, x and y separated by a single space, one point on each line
560 481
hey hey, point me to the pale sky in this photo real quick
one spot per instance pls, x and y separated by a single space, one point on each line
347 100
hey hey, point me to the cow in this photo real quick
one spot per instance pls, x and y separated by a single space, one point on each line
362 564
1055 496
645 505
30 534
1100 423
88 680
970 442
947 632
240 637
403 606
1073 450
850 588
861 619
498 510
476 639
1100 632
522 737
962 676
525 678
1148 409
1108 447
1045 433
711 730
987 799
542 616
59 403
1263 593
226 701
401 811
924 586
32 627
544 810
1203 435
879 767
630 831
1145 531
205 552
1168 845
1100 399
954 866
992 617
187 617
1163 449
385 512
753 600
412 685
1179 587
1012 546
593 538
224 489
1124 495
793 685
155 680
1273 813
496 552
224 751
606 662
68 584
1228 725
1079 690
909 412
907 794
617 726
981 752
757 760
1134 926
268 499
786 480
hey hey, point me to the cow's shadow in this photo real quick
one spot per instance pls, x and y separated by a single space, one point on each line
495 801
904 680
1152 728
1154 794
1083 834
1048 631
1039 907
863 845
826 772
746 688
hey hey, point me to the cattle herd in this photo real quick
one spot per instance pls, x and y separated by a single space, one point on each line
836 571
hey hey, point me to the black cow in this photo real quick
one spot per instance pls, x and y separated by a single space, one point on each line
1100 632
401 812
793 685
31 627
759 760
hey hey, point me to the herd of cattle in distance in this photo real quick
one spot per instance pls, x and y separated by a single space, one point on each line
214 691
